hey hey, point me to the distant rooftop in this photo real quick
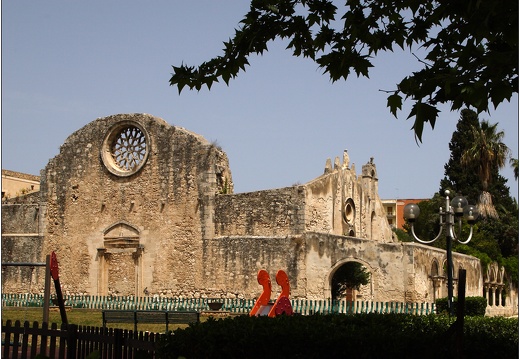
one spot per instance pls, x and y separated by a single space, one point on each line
20 175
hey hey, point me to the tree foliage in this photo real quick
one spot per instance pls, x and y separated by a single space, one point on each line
471 48
494 239
351 275
458 178
487 151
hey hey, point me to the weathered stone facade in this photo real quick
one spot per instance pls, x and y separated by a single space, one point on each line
134 206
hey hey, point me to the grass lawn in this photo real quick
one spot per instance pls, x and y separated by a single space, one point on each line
86 317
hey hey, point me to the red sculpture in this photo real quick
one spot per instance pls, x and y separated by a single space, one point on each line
282 305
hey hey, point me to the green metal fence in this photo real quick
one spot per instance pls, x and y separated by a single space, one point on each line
302 306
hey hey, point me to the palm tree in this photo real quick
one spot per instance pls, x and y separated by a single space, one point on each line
489 154
514 163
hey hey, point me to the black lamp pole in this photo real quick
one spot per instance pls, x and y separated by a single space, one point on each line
456 209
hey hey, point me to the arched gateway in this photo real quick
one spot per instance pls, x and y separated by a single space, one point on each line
134 206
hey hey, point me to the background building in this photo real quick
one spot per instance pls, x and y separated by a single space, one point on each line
15 184
394 209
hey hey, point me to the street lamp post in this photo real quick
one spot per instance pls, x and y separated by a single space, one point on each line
455 210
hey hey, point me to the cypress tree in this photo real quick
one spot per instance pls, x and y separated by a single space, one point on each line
458 179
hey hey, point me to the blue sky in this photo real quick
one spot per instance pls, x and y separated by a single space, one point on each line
66 63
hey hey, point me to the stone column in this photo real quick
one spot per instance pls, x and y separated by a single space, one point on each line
138 259
101 289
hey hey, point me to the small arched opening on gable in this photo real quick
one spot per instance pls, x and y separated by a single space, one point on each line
373 231
349 217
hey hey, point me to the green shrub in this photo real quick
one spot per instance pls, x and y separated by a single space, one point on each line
335 336
482 332
474 306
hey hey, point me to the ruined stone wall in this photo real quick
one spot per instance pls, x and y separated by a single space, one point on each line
273 213
162 210
384 261
399 272
233 263
425 259
21 243
20 218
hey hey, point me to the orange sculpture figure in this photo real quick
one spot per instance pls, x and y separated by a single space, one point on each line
265 281
282 305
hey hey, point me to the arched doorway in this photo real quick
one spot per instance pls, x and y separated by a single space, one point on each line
351 281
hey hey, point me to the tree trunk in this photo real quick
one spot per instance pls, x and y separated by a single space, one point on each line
485 206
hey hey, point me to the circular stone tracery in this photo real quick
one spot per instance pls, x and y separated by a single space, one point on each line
129 148
125 148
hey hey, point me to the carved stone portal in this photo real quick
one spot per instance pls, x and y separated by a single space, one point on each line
120 264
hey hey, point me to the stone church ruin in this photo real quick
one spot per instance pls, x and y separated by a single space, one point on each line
134 206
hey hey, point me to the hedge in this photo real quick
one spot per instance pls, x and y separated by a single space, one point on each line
337 336
474 306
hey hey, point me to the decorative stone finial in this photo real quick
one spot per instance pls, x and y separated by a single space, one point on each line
328 166
346 159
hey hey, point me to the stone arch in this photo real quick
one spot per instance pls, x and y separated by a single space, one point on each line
492 274
121 234
494 288
368 290
437 277
500 277
120 260
445 268
434 271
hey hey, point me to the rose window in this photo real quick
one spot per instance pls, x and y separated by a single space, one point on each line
129 148
125 148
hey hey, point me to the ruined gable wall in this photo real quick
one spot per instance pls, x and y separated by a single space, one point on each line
340 203
168 202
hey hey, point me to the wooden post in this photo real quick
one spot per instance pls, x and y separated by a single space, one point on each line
72 337
461 304
47 290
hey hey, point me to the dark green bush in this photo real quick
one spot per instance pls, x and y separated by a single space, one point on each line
475 306
337 336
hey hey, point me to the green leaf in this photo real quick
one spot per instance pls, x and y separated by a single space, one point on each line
395 103
423 113
500 92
